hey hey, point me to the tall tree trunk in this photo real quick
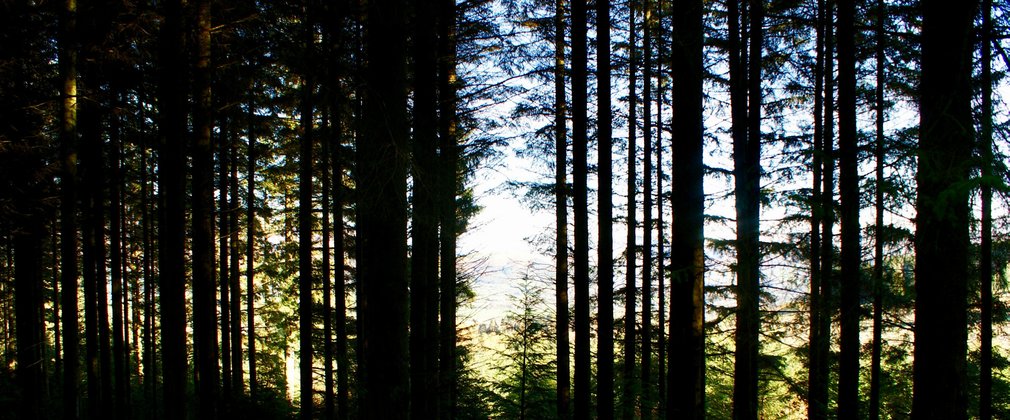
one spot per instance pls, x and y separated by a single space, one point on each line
94 252
172 217
660 235
119 352
605 246
54 254
878 242
324 163
382 216
580 205
306 222
147 261
817 368
848 185
645 404
561 326
941 243
985 411
630 292
747 172
339 281
222 260
424 225
337 105
686 389
28 313
250 249
68 206
823 347
205 345
451 152
233 277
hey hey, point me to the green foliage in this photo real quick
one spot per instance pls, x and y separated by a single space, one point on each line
525 382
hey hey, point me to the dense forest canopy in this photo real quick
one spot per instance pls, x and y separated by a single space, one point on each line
726 209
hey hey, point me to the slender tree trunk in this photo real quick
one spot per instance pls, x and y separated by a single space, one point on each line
985 411
686 389
68 206
816 403
205 344
54 254
382 216
878 245
747 160
941 243
630 291
660 235
580 205
848 377
28 314
823 347
250 250
562 326
424 225
225 283
605 246
171 229
337 105
148 357
305 224
646 402
119 352
450 156
233 277
324 163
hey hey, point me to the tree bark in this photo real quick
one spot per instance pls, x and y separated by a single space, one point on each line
747 173
561 326
941 243
68 207
580 205
878 245
631 253
605 246
306 222
250 250
686 399
450 155
382 216
848 369
985 409
171 231
28 313
645 402
225 283
424 224
816 385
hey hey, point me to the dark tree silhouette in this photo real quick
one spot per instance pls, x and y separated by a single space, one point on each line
941 237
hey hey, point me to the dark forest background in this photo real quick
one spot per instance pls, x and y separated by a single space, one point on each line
225 209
